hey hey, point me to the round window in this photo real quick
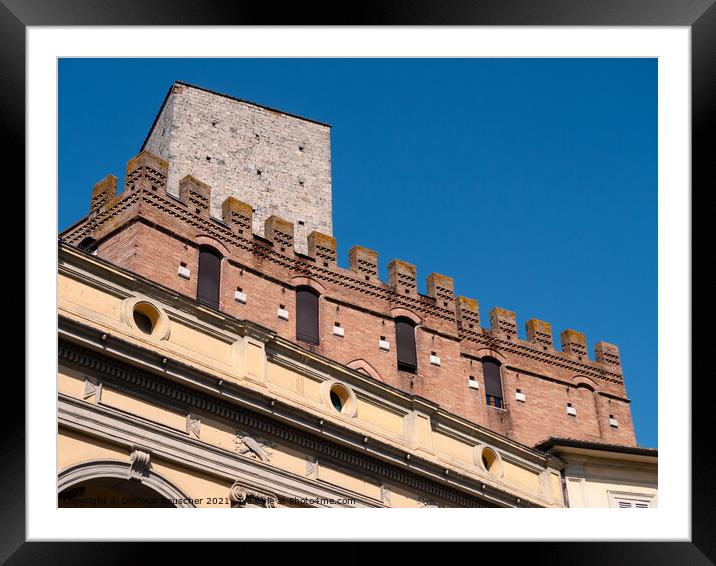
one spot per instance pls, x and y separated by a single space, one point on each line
340 398
145 317
489 460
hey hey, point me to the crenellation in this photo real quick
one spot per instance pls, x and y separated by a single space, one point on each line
364 262
503 323
539 332
574 342
402 278
196 195
608 354
280 232
322 247
468 315
441 288
238 215
103 192
146 171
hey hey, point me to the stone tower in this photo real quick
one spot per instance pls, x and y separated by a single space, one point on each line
279 163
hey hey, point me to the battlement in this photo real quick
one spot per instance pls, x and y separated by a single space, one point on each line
147 173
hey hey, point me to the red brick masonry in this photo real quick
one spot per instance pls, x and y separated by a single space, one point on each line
152 233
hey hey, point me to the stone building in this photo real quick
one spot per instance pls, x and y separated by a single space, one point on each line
213 353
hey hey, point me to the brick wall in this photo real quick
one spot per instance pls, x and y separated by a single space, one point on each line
151 232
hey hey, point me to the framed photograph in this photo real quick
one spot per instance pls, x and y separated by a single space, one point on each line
229 340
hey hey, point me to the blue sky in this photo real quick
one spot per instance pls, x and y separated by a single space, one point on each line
531 182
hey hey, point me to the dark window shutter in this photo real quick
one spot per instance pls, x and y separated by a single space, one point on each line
307 315
405 342
493 381
209 277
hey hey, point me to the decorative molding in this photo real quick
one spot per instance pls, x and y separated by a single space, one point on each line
361 364
311 467
202 239
395 312
301 280
244 496
93 388
253 446
163 390
86 471
154 390
125 430
139 467
385 495
193 426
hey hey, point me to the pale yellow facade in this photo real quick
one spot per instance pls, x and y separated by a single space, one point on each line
97 298
209 408
599 478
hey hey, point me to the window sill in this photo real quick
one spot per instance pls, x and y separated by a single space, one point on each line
308 340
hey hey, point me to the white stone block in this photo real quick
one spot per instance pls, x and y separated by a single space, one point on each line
339 331
571 411
473 383
184 272
435 360
613 422
240 296
283 314
520 396
384 345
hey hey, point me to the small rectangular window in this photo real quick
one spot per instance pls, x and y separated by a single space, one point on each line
307 315
209 277
493 382
405 344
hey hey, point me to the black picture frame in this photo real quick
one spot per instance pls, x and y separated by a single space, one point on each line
699 15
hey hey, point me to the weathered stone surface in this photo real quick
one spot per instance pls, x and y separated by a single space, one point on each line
281 164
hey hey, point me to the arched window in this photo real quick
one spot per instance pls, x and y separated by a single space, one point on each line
207 291
493 382
405 344
307 315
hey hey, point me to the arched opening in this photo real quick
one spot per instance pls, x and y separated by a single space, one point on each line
405 344
307 311
209 277
111 492
492 375
111 483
